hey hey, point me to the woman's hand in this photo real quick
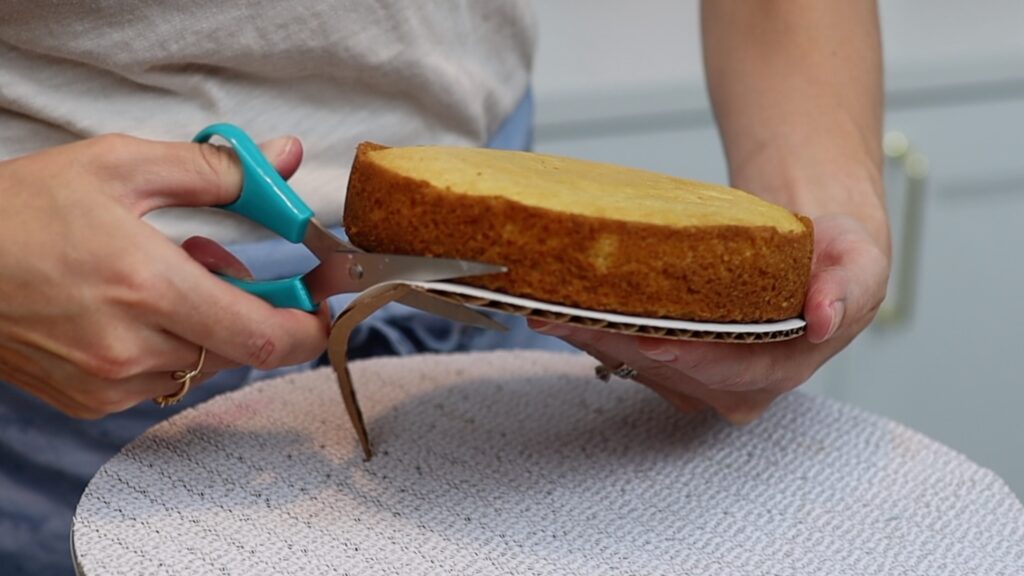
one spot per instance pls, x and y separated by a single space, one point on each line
798 134
739 381
97 308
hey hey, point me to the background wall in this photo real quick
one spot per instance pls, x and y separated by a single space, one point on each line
593 45
626 86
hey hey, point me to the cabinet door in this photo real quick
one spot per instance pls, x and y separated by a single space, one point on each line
952 367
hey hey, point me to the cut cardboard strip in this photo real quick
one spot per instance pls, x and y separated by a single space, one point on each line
373 299
358 309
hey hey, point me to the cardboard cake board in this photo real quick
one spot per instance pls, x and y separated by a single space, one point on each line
374 298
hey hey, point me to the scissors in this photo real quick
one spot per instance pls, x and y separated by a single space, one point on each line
268 200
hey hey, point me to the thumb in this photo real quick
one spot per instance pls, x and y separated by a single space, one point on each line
848 279
190 174
825 307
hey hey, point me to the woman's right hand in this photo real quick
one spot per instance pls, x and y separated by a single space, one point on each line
97 308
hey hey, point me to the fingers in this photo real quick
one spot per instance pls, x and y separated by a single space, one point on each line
80 395
719 367
96 399
679 401
215 257
239 328
740 381
737 406
202 310
209 312
157 351
146 387
174 354
154 175
679 387
676 398
169 305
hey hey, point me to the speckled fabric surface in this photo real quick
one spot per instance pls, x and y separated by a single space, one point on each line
523 463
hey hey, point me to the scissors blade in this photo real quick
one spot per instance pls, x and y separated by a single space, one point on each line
344 271
451 310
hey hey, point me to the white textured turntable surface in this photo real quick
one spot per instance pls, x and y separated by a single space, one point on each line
524 463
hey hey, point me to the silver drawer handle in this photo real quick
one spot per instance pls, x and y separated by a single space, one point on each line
899 302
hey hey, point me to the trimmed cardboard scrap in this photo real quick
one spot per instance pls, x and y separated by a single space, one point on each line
358 309
375 298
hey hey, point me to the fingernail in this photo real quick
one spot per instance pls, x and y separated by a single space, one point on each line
660 353
554 329
838 311
278 148
742 417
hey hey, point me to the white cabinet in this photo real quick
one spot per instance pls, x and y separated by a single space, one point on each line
954 367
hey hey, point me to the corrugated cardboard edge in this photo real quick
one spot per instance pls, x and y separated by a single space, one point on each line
373 299
717 335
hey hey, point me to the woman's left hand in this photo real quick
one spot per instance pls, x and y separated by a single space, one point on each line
848 281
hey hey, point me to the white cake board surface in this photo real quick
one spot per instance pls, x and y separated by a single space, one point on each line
660 327
523 463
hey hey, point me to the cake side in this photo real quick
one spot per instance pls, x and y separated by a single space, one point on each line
705 273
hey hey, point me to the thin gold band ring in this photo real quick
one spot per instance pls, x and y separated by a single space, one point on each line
622 371
184 377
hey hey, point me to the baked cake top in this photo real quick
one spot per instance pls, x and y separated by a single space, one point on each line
583 187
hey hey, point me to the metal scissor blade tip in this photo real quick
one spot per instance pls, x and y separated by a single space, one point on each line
480 268
346 271
452 268
383 267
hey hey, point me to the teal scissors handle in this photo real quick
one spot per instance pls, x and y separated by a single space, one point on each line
267 200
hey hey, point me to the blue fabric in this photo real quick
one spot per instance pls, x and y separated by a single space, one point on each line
46 458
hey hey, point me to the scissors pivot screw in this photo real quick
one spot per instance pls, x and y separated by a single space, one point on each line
356 272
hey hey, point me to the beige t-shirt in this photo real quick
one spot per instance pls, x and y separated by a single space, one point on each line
333 72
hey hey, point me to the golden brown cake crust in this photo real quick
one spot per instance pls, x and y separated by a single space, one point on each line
706 273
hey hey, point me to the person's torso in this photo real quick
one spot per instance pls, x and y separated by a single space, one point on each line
333 72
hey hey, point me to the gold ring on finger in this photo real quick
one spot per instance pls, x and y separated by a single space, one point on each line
623 370
184 377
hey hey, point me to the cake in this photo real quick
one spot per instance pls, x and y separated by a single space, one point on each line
584 234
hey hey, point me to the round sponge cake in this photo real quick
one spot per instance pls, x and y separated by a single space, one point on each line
585 234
